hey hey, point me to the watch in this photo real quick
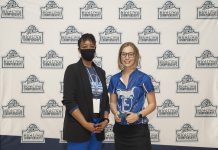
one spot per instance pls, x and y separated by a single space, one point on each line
139 115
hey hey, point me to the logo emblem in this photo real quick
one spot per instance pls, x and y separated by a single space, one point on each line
12 10
52 110
156 84
206 109
154 134
98 61
32 135
168 109
188 36
52 61
207 60
12 60
129 11
168 61
32 36
169 11
90 11
70 36
149 36
32 85
187 85
186 134
110 36
13 110
207 11
109 134
51 11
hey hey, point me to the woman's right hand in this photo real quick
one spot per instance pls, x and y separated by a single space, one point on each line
117 118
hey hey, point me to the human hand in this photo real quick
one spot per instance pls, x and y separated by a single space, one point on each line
117 118
100 126
131 117
89 126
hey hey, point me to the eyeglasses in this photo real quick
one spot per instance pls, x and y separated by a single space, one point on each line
130 55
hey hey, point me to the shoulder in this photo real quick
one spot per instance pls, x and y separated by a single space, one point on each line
143 75
116 76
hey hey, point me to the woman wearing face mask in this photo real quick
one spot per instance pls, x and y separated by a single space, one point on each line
128 91
86 100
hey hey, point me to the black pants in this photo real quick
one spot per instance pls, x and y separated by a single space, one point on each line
132 137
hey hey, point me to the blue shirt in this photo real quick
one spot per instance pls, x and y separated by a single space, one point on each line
131 98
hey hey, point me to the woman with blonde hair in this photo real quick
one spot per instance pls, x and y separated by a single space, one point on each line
128 90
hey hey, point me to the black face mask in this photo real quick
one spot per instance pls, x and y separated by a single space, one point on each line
87 54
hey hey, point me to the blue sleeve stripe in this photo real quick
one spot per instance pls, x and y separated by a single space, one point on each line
144 87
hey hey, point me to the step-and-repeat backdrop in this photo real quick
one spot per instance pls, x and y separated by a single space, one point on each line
179 51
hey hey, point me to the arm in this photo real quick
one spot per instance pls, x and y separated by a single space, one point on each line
113 106
70 98
151 104
132 117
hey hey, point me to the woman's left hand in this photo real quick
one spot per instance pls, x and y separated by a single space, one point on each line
131 117
100 126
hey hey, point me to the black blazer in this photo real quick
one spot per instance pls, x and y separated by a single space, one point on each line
78 93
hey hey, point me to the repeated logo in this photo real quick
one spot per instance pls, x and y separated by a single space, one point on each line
207 60
98 61
206 109
90 11
32 85
186 134
110 36
187 85
169 11
32 135
13 110
32 36
12 60
61 138
149 36
12 10
207 11
129 11
168 61
156 84
52 110
109 135
168 109
70 36
52 61
154 134
51 11
62 87
188 36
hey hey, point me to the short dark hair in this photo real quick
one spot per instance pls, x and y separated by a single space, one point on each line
85 37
